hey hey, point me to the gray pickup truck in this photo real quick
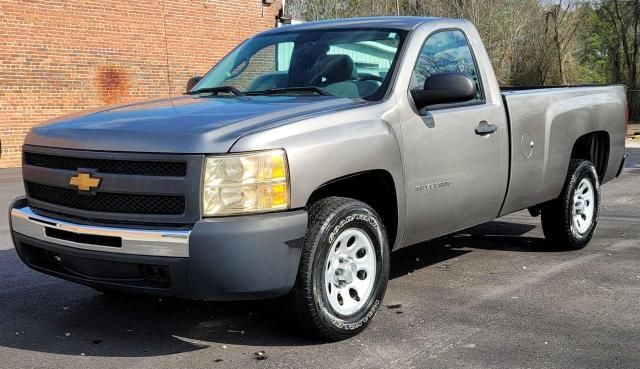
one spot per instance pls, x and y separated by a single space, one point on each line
302 159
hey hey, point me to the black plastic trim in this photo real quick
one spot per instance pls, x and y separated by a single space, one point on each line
90 239
108 268
621 168
247 257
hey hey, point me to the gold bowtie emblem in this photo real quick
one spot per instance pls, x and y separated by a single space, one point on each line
84 182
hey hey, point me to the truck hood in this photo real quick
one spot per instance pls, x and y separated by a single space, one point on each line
186 124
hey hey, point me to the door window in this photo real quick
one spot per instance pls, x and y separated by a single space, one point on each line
446 52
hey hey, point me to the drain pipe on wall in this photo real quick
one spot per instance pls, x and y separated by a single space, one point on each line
282 19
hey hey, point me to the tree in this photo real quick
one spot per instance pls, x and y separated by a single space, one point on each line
598 54
530 42
562 21
623 21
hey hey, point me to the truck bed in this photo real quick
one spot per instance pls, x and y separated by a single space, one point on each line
544 122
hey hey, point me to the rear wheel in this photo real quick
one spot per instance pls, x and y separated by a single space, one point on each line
344 268
570 220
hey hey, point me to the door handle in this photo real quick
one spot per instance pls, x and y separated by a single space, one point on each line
485 128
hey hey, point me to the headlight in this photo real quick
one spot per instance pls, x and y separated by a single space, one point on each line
245 183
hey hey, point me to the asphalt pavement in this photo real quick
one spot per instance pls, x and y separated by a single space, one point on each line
493 296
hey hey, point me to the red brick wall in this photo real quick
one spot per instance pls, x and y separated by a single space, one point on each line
60 56
262 62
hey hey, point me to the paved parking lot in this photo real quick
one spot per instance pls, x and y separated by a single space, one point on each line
496 295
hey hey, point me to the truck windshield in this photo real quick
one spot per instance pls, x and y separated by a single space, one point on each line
355 63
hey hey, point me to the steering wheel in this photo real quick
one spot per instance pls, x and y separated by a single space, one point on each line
371 77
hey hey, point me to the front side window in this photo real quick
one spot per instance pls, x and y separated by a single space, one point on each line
446 52
345 63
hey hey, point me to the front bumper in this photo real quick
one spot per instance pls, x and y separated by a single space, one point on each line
232 258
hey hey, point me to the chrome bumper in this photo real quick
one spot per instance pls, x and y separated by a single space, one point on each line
133 241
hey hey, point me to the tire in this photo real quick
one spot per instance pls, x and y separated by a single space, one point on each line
329 269
580 195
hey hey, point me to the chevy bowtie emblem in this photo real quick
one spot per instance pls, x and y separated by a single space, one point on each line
84 182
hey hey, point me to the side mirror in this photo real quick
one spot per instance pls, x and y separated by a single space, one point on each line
444 88
192 82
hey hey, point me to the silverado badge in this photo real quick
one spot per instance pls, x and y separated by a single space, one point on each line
84 182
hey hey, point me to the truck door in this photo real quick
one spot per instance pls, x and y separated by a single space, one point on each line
455 173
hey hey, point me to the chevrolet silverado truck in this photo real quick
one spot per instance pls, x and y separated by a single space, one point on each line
299 162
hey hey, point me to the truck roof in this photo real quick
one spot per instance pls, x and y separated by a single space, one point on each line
405 23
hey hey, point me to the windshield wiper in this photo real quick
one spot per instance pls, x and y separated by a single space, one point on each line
217 90
283 90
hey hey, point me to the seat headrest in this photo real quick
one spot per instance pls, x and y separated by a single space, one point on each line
338 68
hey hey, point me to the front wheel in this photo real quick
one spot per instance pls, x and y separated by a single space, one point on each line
571 219
344 268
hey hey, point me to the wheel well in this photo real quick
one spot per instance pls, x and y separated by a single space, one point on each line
594 147
375 188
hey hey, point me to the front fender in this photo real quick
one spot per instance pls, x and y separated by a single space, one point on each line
321 149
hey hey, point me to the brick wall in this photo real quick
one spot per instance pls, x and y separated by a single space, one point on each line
60 56
262 62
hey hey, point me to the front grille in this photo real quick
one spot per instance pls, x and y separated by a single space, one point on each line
132 167
140 189
107 202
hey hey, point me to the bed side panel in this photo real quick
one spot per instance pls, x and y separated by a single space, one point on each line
545 124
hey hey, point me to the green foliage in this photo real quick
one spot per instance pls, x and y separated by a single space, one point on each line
529 41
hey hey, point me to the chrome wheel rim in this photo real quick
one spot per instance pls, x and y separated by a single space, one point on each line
583 206
350 271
